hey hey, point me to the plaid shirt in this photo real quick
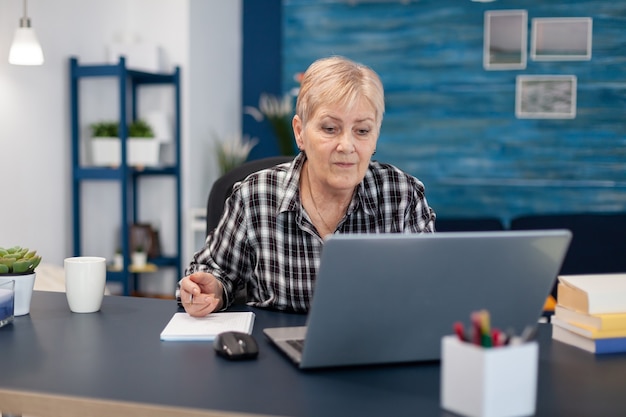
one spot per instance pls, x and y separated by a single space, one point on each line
267 244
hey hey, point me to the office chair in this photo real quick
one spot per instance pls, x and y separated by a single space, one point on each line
469 224
598 240
221 189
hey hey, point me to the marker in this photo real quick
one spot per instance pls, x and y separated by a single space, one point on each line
460 331
497 338
485 329
476 328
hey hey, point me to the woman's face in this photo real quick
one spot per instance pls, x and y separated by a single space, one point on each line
339 144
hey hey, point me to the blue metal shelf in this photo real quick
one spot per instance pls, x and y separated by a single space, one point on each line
128 178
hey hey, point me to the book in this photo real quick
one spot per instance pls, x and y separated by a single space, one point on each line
611 321
587 331
182 326
593 294
597 346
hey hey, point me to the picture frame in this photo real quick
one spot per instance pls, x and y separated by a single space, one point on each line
545 97
143 236
505 39
561 39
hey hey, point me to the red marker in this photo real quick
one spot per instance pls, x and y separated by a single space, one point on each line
460 331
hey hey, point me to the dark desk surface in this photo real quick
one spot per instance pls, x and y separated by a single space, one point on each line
55 362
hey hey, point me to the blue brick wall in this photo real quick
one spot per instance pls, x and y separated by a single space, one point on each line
452 123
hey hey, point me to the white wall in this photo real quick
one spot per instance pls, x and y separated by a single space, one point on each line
202 36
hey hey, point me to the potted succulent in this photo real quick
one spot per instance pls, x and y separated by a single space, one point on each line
106 145
18 264
139 257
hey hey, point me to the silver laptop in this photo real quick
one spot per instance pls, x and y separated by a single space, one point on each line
386 298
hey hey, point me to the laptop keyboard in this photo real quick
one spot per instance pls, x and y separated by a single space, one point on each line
297 344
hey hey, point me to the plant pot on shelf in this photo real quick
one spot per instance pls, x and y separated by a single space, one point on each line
107 151
143 152
139 259
142 148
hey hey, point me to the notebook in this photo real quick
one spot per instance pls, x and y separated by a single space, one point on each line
182 326
388 298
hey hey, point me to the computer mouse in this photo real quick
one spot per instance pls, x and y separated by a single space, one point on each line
236 345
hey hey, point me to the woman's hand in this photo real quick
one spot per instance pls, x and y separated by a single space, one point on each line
201 294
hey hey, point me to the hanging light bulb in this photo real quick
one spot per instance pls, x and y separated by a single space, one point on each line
25 49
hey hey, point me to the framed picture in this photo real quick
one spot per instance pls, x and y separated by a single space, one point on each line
505 44
545 97
561 39
144 237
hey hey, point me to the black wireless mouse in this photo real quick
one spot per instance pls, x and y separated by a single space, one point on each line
236 345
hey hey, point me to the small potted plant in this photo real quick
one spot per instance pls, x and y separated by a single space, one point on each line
118 260
142 149
18 264
139 257
105 143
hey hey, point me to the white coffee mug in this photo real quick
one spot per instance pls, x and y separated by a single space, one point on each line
85 280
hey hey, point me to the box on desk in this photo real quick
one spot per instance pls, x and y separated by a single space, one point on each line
488 382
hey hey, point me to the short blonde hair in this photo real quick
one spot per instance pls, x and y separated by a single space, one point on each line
338 80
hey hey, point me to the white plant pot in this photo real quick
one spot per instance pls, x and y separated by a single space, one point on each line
24 284
105 151
141 151
118 261
139 259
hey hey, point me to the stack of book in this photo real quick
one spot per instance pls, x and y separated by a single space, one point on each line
591 312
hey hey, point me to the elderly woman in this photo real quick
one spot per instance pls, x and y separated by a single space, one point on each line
272 231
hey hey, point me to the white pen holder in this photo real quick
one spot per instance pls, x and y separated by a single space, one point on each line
488 382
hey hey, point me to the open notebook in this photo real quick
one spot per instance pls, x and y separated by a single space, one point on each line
383 298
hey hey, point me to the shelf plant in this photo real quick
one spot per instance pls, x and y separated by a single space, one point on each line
104 129
140 129
106 145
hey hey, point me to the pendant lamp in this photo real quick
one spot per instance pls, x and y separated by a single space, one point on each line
25 49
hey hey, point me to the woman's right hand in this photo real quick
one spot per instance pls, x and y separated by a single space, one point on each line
201 294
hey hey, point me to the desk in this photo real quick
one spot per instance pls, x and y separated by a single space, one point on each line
112 363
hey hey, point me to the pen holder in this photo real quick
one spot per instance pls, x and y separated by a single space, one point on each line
488 382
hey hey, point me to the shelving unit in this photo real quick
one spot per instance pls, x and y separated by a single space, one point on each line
127 177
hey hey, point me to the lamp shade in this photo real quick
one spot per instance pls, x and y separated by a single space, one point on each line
25 49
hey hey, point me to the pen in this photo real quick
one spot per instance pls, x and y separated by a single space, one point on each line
191 298
528 334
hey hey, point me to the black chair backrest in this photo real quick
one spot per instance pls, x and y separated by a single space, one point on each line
598 240
468 224
223 186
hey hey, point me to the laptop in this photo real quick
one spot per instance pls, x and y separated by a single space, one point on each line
389 298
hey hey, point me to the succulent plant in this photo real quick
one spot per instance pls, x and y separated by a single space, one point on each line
18 260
